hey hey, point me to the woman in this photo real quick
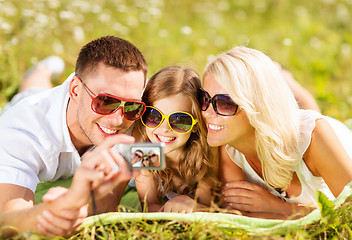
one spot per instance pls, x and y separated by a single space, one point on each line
274 156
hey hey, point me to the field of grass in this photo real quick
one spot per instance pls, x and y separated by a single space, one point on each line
312 39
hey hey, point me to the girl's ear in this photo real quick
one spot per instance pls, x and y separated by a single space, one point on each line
74 88
195 128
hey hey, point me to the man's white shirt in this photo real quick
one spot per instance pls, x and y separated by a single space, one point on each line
35 143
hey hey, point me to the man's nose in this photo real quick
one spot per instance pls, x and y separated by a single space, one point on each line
116 118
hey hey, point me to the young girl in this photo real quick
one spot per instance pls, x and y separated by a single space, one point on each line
173 116
274 155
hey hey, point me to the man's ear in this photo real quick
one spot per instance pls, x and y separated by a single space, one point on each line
74 88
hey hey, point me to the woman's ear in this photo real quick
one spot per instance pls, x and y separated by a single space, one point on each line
74 88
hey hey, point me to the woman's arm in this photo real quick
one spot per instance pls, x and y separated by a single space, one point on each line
229 171
251 199
327 158
255 201
148 192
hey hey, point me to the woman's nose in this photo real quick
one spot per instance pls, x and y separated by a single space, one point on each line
209 112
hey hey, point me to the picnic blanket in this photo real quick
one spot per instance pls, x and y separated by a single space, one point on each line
249 224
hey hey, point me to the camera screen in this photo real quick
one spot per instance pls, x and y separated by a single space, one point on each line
145 157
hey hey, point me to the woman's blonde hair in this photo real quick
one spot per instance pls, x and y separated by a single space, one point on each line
195 163
256 84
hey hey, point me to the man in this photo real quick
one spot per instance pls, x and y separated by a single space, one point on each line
44 136
136 156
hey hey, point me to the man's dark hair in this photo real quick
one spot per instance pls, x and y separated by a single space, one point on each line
138 150
112 51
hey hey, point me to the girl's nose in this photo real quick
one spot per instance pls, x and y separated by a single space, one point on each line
165 126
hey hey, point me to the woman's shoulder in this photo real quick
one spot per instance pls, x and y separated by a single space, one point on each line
307 124
328 136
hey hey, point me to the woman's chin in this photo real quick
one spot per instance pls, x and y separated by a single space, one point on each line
213 142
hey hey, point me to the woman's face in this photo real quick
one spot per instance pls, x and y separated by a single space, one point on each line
223 130
164 133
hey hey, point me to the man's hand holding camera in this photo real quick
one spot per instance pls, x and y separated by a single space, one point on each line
97 175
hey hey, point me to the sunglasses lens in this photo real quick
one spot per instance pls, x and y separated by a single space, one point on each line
133 110
224 105
104 104
137 155
180 122
151 117
204 100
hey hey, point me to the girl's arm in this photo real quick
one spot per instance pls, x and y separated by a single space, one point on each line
327 158
186 204
229 172
148 192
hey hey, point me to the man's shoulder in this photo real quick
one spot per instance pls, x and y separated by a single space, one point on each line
38 119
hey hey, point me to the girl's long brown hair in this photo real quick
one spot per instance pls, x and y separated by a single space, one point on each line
195 163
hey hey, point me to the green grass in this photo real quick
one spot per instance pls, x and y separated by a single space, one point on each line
335 224
312 39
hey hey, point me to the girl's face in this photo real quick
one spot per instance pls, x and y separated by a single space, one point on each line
223 130
164 133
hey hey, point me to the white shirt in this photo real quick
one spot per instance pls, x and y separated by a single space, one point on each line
35 144
309 182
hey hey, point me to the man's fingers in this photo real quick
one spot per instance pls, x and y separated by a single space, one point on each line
53 193
59 222
116 139
121 162
83 211
104 158
74 214
86 176
47 227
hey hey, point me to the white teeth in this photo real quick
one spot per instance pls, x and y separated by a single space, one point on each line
216 127
107 130
165 139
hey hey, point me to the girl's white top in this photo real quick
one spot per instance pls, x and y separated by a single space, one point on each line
309 182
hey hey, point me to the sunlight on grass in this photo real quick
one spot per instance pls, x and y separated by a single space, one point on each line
336 227
311 38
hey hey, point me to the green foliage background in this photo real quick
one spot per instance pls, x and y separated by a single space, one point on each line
312 38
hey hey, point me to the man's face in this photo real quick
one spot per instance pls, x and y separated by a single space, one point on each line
137 156
92 128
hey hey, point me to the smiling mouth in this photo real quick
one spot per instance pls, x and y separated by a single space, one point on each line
165 139
214 127
108 130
